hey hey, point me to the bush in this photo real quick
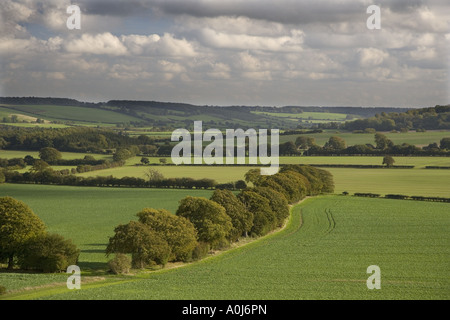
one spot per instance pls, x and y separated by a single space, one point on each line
120 264
200 251
2 290
48 253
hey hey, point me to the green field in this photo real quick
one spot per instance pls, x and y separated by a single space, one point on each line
89 215
323 253
68 113
313 117
411 137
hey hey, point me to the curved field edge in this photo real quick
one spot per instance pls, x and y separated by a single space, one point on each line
40 292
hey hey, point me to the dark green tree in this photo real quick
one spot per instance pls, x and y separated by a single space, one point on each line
48 253
264 219
445 143
145 245
382 142
209 218
179 232
335 143
388 161
241 218
49 155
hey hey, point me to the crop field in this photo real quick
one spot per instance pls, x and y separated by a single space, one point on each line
70 113
424 182
323 253
411 137
89 215
315 117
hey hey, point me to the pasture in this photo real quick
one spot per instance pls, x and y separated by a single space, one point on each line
323 253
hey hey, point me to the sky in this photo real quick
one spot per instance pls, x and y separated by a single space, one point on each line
229 52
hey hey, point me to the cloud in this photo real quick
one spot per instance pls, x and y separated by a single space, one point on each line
104 43
291 43
371 57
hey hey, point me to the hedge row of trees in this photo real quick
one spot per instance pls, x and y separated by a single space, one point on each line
202 224
434 118
25 242
50 176
383 146
403 197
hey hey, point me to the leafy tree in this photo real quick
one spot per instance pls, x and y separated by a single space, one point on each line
209 218
253 176
39 166
144 245
303 142
288 148
264 220
48 253
278 203
178 231
382 142
153 175
388 161
49 155
2 177
122 155
335 143
145 161
241 218
18 224
445 143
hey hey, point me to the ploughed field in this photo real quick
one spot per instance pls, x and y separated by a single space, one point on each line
322 253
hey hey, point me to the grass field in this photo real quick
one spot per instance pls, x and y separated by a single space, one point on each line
323 253
89 215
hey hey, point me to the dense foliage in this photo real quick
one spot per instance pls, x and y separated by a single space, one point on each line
23 238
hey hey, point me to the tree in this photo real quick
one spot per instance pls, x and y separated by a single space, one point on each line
303 142
153 175
241 218
39 166
382 142
18 224
253 176
145 161
388 161
122 155
208 217
2 177
48 253
335 143
49 155
278 203
264 219
445 143
288 148
144 245
179 232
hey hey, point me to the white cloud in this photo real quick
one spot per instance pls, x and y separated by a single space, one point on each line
104 43
370 57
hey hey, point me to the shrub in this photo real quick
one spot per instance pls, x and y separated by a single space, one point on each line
200 251
120 264
2 290
48 253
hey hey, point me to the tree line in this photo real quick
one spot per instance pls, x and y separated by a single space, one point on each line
434 118
200 224
382 146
